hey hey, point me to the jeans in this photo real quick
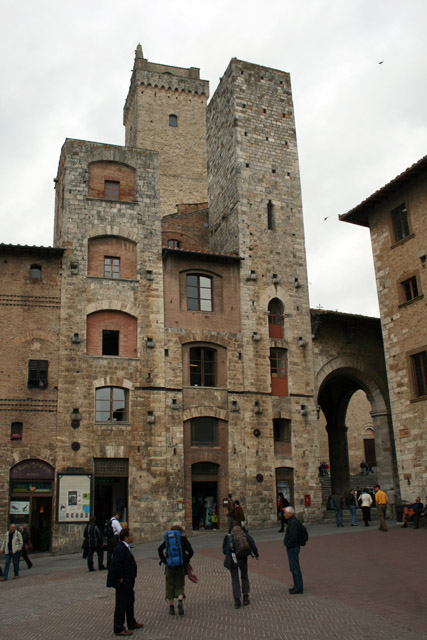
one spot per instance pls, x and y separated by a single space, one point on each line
352 509
15 559
235 582
293 558
338 517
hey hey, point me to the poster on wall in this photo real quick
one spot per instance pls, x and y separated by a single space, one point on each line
73 500
19 507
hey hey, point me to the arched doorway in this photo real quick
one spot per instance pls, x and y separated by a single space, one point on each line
341 378
31 491
204 495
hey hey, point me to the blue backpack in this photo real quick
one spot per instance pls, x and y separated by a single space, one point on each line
173 548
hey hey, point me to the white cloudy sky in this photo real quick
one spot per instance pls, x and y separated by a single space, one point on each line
65 71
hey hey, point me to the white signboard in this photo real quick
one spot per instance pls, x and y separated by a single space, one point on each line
19 508
74 498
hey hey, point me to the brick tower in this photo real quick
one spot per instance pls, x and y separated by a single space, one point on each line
165 111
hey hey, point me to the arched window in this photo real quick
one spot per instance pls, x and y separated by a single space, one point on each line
173 120
111 404
35 273
174 244
275 319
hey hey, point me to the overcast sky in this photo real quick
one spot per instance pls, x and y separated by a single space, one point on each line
66 67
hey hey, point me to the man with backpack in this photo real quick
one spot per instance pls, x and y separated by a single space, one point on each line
295 536
237 546
175 552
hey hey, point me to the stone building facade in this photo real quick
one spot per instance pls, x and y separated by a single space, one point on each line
173 317
395 216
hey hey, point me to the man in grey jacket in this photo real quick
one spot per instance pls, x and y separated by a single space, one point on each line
11 546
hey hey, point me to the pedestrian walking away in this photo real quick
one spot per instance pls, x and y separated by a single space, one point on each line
121 576
381 500
237 546
292 543
350 501
94 542
11 546
27 547
175 553
282 502
338 502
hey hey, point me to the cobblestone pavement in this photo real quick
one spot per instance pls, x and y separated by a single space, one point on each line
357 582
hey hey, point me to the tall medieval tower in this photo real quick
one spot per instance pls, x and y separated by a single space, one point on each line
255 210
165 111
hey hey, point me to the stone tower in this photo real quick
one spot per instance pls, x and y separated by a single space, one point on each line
165 111
255 211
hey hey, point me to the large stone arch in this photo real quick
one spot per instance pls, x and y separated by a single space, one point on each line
348 356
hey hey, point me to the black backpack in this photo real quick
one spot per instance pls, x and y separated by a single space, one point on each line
302 534
108 529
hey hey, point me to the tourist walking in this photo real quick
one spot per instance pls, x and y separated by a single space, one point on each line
237 546
26 545
11 546
175 553
381 500
94 542
121 575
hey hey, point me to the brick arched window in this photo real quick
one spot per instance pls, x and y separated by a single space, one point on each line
111 404
279 372
111 333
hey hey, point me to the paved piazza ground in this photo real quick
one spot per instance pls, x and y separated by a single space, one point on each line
358 582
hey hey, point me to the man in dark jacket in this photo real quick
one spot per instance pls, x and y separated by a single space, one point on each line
94 542
121 576
292 545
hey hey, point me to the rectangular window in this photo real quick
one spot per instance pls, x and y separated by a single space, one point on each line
37 374
400 223
111 267
204 431
419 368
282 430
111 190
202 367
199 293
410 289
110 343
279 373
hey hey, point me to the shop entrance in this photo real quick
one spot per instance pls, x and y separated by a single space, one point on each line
111 489
31 490
204 495
41 517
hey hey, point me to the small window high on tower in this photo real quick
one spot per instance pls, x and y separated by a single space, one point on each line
173 120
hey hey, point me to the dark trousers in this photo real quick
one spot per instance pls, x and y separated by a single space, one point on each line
90 552
125 598
111 543
242 565
26 559
282 521
293 558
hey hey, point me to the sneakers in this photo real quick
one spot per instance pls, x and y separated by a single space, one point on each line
180 608
237 603
246 599
171 610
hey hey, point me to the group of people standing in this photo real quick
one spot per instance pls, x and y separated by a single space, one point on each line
175 553
15 543
363 499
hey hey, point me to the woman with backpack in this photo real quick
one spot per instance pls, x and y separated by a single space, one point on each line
175 553
236 547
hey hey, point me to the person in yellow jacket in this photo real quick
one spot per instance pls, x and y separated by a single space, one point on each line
381 502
